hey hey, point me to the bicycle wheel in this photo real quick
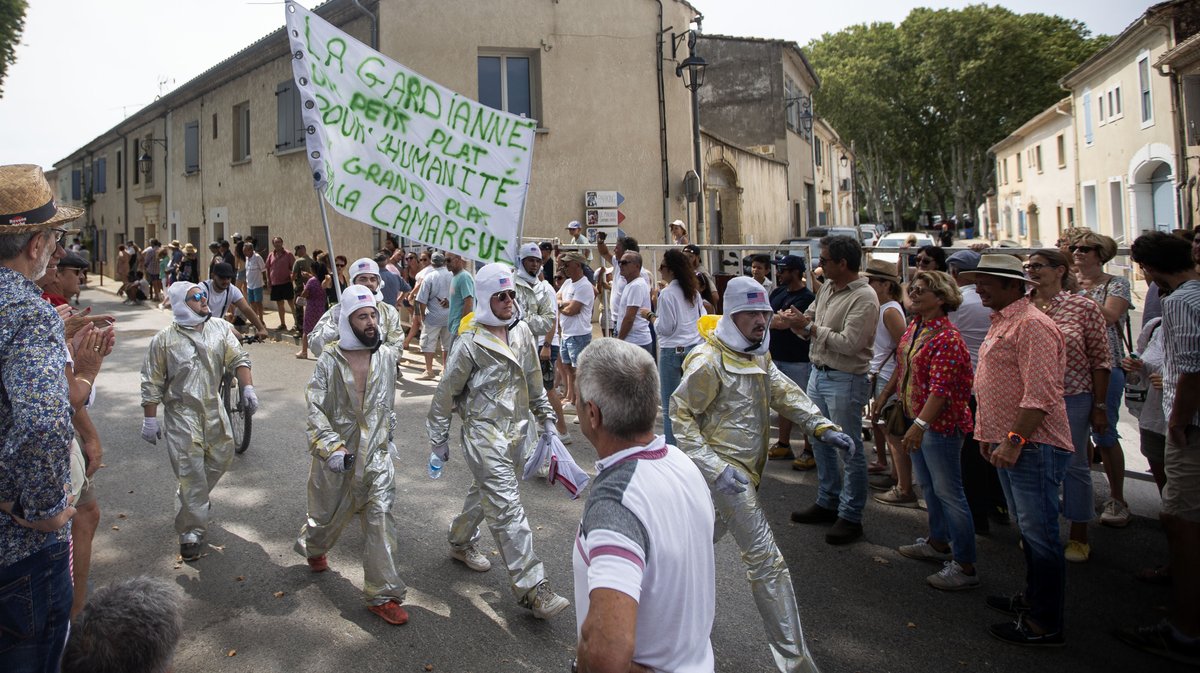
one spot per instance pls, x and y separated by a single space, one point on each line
238 419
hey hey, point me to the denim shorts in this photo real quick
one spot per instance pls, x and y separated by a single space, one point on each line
1114 400
254 295
572 346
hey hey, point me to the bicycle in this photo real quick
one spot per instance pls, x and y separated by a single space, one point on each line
231 397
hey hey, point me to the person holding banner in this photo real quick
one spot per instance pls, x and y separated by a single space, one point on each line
363 272
492 379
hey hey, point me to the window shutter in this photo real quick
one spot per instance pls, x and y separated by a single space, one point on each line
1087 117
191 147
283 115
101 175
76 184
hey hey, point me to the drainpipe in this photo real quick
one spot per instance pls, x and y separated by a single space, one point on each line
125 181
1180 174
662 128
1074 158
374 24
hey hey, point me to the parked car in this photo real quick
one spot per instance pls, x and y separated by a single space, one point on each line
895 240
868 233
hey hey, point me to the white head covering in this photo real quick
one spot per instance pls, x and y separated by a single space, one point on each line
491 279
353 298
527 250
743 293
367 265
184 315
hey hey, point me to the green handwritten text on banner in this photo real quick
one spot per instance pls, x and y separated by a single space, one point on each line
402 153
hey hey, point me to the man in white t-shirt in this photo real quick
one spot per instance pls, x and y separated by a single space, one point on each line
256 278
223 297
635 300
575 310
433 298
645 587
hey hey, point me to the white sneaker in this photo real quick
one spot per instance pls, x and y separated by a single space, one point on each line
952 578
546 603
1116 514
921 550
472 558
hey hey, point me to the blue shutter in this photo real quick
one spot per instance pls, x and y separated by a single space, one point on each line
101 175
76 184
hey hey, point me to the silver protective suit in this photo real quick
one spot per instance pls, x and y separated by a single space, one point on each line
537 306
325 332
493 386
720 414
337 420
182 372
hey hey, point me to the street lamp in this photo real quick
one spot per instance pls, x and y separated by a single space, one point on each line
145 161
691 71
844 160
805 114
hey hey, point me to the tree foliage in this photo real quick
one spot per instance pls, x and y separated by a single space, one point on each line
924 100
12 22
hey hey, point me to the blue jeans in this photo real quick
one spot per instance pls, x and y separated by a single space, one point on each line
670 370
1114 399
798 372
840 396
1077 484
35 610
1031 487
938 468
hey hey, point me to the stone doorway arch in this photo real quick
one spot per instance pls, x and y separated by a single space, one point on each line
724 197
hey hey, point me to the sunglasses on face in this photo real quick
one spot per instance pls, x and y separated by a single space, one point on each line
623 262
341 266
198 295
922 261
507 295
917 291
1035 266
1082 249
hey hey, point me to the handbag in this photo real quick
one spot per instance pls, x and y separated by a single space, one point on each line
894 421
301 301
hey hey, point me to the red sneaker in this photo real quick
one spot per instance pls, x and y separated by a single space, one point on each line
392 612
318 564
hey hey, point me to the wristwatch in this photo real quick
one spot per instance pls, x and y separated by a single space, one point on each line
1016 440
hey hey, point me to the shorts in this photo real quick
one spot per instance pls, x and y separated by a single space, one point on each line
254 295
572 346
548 367
241 275
1181 495
1154 445
434 338
282 292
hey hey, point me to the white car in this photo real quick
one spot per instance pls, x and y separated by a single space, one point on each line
896 240
868 233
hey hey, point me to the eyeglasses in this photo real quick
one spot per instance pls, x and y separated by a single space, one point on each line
1035 266
507 295
198 295
824 260
1082 249
60 234
917 291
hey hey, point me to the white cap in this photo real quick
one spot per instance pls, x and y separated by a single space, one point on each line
743 293
361 266
529 250
680 224
491 279
353 298
573 224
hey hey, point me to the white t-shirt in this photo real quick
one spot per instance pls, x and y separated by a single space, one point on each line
636 294
676 324
255 266
973 321
618 286
885 345
647 532
221 303
582 292
435 295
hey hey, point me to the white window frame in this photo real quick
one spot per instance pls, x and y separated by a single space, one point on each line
1123 238
1089 132
535 85
1147 112
1060 147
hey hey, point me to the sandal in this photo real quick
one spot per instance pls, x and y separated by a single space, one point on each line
1160 575
875 467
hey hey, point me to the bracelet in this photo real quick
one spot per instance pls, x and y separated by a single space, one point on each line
920 424
80 378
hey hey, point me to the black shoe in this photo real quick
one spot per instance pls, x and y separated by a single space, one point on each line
815 514
190 551
843 532
1160 639
999 516
1009 605
880 482
1017 633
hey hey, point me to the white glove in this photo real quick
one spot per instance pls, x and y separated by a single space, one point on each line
549 429
336 461
150 431
442 451
840 440
731 481
249 400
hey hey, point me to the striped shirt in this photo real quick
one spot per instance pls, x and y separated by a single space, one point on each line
1181 341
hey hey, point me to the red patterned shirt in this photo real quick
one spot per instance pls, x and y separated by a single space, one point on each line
1086 336
937 364
1021 366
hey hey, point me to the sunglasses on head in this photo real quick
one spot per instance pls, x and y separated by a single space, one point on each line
1084 249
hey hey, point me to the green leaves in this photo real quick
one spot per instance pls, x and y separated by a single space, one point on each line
12 22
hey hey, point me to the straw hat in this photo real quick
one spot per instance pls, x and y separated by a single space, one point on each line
27 202
877 268
1002 266
189 249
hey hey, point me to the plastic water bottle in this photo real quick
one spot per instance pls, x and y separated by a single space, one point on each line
1137 384
435 466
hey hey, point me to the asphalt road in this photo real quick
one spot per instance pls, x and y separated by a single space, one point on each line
252 605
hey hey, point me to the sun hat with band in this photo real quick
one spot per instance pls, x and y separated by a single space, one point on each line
27 202
877 268
1001 266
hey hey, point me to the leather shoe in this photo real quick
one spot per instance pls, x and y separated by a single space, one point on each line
815 514
843 532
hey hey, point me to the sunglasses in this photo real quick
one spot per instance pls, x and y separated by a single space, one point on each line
922 261
1082 249
916 291
1035 266
198 295
623 262
508 295
341 266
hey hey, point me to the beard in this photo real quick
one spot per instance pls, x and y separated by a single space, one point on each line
368 337
43 262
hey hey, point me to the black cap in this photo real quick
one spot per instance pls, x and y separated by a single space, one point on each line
546 245
223 270
794 262
73 261
692 248
214 245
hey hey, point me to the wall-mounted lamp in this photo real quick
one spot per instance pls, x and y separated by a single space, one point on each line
145 161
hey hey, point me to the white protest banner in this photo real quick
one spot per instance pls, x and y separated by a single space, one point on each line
399 152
